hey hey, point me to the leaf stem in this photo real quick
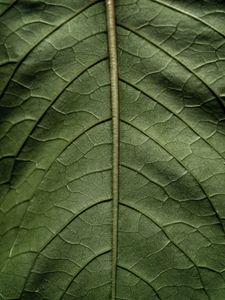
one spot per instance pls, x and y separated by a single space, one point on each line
112 48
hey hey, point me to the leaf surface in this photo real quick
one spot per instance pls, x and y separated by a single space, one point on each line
57 162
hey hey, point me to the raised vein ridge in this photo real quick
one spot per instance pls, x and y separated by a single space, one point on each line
112 48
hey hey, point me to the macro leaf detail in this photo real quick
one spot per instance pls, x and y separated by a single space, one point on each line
57 150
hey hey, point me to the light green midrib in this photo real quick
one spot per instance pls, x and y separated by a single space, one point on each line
112 48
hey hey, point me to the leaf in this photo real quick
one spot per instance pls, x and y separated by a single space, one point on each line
59 150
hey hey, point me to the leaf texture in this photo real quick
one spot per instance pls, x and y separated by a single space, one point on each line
56 153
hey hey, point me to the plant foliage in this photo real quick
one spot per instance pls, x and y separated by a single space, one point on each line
56 150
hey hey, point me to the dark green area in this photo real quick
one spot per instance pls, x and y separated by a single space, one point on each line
56 150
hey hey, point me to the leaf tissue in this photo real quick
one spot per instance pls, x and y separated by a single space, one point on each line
112 150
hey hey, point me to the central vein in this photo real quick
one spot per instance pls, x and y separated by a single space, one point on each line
112 48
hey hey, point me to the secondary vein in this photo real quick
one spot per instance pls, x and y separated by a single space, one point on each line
112 48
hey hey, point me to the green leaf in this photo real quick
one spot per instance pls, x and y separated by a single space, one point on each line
62 236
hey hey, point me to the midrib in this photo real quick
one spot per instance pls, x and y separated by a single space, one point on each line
112 48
